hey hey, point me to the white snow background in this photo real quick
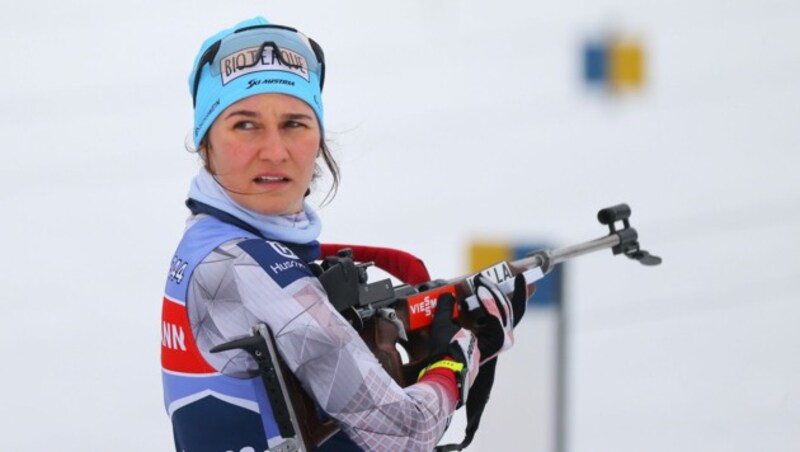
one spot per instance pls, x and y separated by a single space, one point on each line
451 121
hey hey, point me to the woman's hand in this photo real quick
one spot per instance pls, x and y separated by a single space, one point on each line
452 347
498 315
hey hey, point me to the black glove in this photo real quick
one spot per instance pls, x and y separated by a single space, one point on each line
443 328
453 347
498 316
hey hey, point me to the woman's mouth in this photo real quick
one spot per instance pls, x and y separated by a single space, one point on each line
270 179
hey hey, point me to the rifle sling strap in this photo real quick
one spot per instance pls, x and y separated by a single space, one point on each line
476 402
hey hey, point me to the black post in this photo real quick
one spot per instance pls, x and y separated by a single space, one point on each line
562 368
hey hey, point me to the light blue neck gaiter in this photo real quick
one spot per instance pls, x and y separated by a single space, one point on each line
300 228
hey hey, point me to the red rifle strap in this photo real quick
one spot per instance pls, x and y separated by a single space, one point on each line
402 265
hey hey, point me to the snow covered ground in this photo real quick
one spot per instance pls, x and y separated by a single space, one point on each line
451 121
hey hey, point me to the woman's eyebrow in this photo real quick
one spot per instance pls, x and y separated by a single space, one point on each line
247 113
298 116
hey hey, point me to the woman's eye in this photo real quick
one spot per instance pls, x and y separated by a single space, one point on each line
245 125
294 124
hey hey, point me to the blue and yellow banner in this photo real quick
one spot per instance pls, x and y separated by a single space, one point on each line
615 62
485 254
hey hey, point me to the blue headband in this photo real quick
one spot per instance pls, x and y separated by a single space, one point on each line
252 58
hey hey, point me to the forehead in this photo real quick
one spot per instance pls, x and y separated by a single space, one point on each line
271 102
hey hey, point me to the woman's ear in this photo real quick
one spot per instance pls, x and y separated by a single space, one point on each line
205 152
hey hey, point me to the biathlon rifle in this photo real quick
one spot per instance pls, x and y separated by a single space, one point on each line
387 316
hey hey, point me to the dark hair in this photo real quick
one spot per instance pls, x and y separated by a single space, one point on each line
333 167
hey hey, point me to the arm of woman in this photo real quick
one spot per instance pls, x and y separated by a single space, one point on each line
260 282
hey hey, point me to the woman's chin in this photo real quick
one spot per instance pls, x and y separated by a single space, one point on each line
269 205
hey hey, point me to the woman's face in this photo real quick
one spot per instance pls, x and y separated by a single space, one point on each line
262 150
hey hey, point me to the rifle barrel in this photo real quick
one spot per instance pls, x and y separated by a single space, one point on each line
548 259
568 252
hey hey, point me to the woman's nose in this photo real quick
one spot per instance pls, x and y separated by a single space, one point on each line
272 146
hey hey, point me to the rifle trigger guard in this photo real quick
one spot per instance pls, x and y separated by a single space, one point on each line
390 316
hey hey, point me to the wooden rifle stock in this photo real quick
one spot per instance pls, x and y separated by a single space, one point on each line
314 427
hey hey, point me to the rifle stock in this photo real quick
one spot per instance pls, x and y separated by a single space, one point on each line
314 427
300 424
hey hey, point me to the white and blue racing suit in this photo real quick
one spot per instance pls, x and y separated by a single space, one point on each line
225 278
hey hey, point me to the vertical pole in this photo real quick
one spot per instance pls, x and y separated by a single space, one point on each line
561 369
